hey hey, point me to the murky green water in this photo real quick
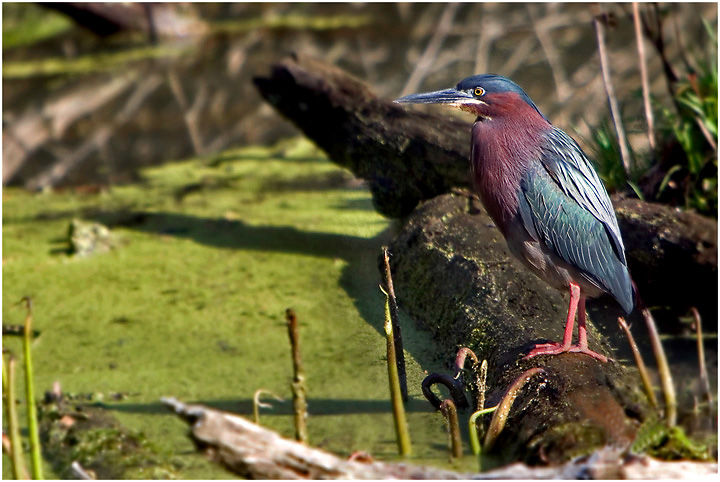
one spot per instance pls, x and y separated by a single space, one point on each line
190 303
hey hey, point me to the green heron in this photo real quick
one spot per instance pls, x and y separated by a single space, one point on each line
544 196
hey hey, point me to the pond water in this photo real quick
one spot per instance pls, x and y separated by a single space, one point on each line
97 109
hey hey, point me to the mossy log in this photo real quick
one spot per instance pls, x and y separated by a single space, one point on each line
453 274
407 156
404 156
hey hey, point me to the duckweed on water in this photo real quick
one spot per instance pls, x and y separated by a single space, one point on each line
190 300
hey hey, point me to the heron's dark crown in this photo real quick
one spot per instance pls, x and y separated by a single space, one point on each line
493 83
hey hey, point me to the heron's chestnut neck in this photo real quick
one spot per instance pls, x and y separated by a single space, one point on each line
506 138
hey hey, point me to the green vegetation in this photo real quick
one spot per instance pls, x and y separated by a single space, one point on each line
26 24
10 401
101 446
694 126
608 160
656 439
686 153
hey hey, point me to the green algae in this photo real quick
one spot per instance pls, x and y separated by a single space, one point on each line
292 21
26 23
190 300
97 62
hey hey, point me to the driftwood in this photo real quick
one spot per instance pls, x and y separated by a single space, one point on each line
259 453
407 156
104 19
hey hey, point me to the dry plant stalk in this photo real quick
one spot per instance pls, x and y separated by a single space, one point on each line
644 75
666 381
299 387
704 381
397 333
447 407
599 22
402 433
642 369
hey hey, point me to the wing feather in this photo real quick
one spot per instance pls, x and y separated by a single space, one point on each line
574 174
553 216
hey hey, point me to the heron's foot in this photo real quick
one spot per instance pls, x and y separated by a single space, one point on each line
557 349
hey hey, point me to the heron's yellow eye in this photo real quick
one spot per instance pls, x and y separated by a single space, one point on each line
479 91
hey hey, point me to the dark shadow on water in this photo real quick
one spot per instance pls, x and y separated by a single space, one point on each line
244 407
236 234
360 277
221 159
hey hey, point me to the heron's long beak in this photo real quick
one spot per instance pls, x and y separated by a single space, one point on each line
447 96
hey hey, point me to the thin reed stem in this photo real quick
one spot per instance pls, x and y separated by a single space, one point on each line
642 369
401 428
447 407
599 22
32 418
639 38
16 449
666 381
704 380
299 387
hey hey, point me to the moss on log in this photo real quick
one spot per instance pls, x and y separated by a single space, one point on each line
453 275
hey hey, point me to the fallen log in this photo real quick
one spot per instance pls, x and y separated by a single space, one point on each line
407 156
454 276
404 156
105 19
255 452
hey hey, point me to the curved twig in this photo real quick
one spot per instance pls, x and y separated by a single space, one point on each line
447 407
455 388
257 403
642 369
503 409
460 359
